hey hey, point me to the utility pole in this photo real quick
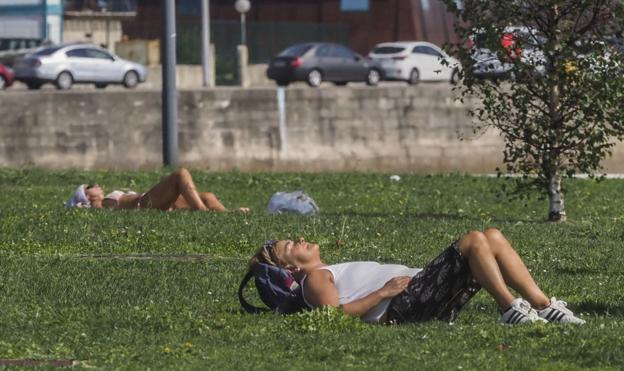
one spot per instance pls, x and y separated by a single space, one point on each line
169 98
205 55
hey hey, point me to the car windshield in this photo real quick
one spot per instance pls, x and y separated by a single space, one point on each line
388 50
296 50
47 51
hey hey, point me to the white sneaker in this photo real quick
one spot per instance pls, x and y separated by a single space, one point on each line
520 312
557 311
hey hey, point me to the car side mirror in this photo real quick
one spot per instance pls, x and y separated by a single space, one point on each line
357 58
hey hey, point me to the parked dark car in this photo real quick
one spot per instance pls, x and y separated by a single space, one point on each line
6 77
318 62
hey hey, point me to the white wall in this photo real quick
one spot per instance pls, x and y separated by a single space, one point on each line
20 27
80 29
20 2
31 25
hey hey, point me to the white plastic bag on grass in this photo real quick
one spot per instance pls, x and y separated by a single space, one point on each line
292 202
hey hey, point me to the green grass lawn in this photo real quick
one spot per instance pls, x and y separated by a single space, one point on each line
76 284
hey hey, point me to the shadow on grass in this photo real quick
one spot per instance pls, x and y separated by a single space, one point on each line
580 270
594 308
156 257
40 362
434 216
615 309
406 215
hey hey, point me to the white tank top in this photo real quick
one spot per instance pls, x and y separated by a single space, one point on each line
356 280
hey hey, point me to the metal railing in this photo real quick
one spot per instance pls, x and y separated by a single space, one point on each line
264 40
100 5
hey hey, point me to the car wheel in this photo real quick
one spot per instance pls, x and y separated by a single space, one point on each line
101 86
454 77
373 77
2 83
282 82
315 78
340 83
33 85
414 77
131 79
64 81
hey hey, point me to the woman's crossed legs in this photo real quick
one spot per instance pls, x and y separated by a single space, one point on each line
178 191
478 259
496 265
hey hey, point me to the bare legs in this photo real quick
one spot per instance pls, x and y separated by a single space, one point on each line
496 265
514 271
164 194
208 198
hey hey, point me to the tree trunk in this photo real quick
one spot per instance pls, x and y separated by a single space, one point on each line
556 207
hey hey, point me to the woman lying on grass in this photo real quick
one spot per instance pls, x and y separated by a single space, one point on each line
390 293
176 191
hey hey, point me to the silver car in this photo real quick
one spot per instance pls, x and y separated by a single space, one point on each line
65 65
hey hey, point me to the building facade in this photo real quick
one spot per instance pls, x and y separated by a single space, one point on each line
367 22
97 21
28 23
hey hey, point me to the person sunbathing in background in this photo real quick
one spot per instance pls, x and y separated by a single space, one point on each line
175 191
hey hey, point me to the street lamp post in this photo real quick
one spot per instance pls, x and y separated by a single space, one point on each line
169 98
205 55
242 6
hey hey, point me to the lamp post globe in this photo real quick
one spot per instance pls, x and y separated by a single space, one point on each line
242 6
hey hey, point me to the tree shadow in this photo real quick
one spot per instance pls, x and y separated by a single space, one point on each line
434 216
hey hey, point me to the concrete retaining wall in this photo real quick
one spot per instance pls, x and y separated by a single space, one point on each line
356 128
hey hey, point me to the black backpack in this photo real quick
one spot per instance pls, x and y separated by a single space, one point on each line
277 288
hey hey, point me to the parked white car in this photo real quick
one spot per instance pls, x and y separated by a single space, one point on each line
68 64
415 61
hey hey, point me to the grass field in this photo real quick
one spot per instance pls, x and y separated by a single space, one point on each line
157 290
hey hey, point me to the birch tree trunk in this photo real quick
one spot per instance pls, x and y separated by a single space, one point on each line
556 207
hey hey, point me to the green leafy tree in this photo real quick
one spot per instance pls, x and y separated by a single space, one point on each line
559 106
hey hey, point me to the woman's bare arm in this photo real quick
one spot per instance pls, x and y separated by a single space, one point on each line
391 288
320 289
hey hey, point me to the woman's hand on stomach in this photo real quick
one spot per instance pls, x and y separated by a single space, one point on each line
394 286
